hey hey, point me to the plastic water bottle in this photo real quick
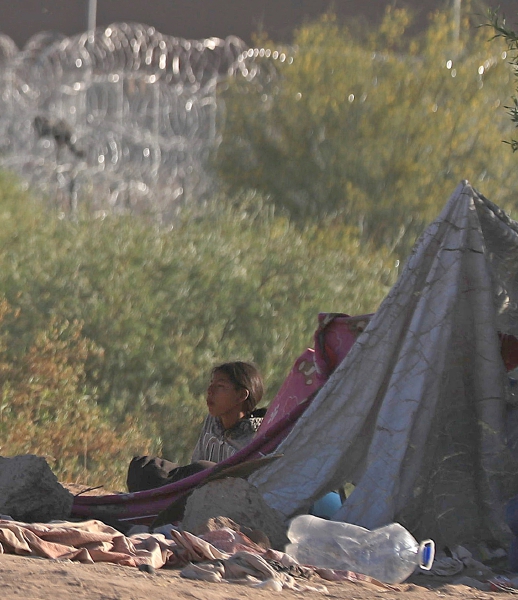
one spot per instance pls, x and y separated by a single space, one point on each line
389 554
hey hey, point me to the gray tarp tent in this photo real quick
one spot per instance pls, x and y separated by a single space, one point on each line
416 414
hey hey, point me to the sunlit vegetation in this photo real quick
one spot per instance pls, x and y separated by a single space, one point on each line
109 326
46 407
502 32
123 321
377 128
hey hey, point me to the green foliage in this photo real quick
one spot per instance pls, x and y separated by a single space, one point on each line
163 306
510 37
331 160
378 130
45 408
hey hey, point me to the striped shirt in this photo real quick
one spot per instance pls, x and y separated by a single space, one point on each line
217 443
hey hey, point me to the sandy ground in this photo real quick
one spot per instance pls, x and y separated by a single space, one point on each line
43 579
28 578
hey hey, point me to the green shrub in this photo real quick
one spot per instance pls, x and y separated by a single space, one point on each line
46 409
163 306
377 128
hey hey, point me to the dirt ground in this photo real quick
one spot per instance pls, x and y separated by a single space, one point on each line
30 578
43 579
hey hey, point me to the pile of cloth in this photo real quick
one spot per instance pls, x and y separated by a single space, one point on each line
217 556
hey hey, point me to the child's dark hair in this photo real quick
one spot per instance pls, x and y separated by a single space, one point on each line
244 375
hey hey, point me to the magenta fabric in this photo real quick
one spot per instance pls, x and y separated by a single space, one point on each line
334 337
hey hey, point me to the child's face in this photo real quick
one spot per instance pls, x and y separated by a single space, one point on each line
223 398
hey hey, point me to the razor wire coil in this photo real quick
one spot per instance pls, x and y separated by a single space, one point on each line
141 110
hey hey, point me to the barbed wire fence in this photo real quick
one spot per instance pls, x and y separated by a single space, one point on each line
119 119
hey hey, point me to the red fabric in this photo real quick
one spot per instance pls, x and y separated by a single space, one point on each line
509 350
334 337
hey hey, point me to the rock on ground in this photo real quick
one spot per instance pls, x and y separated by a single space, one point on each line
238 500
30 492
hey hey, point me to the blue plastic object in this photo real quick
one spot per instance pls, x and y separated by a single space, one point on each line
427 554
326 506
